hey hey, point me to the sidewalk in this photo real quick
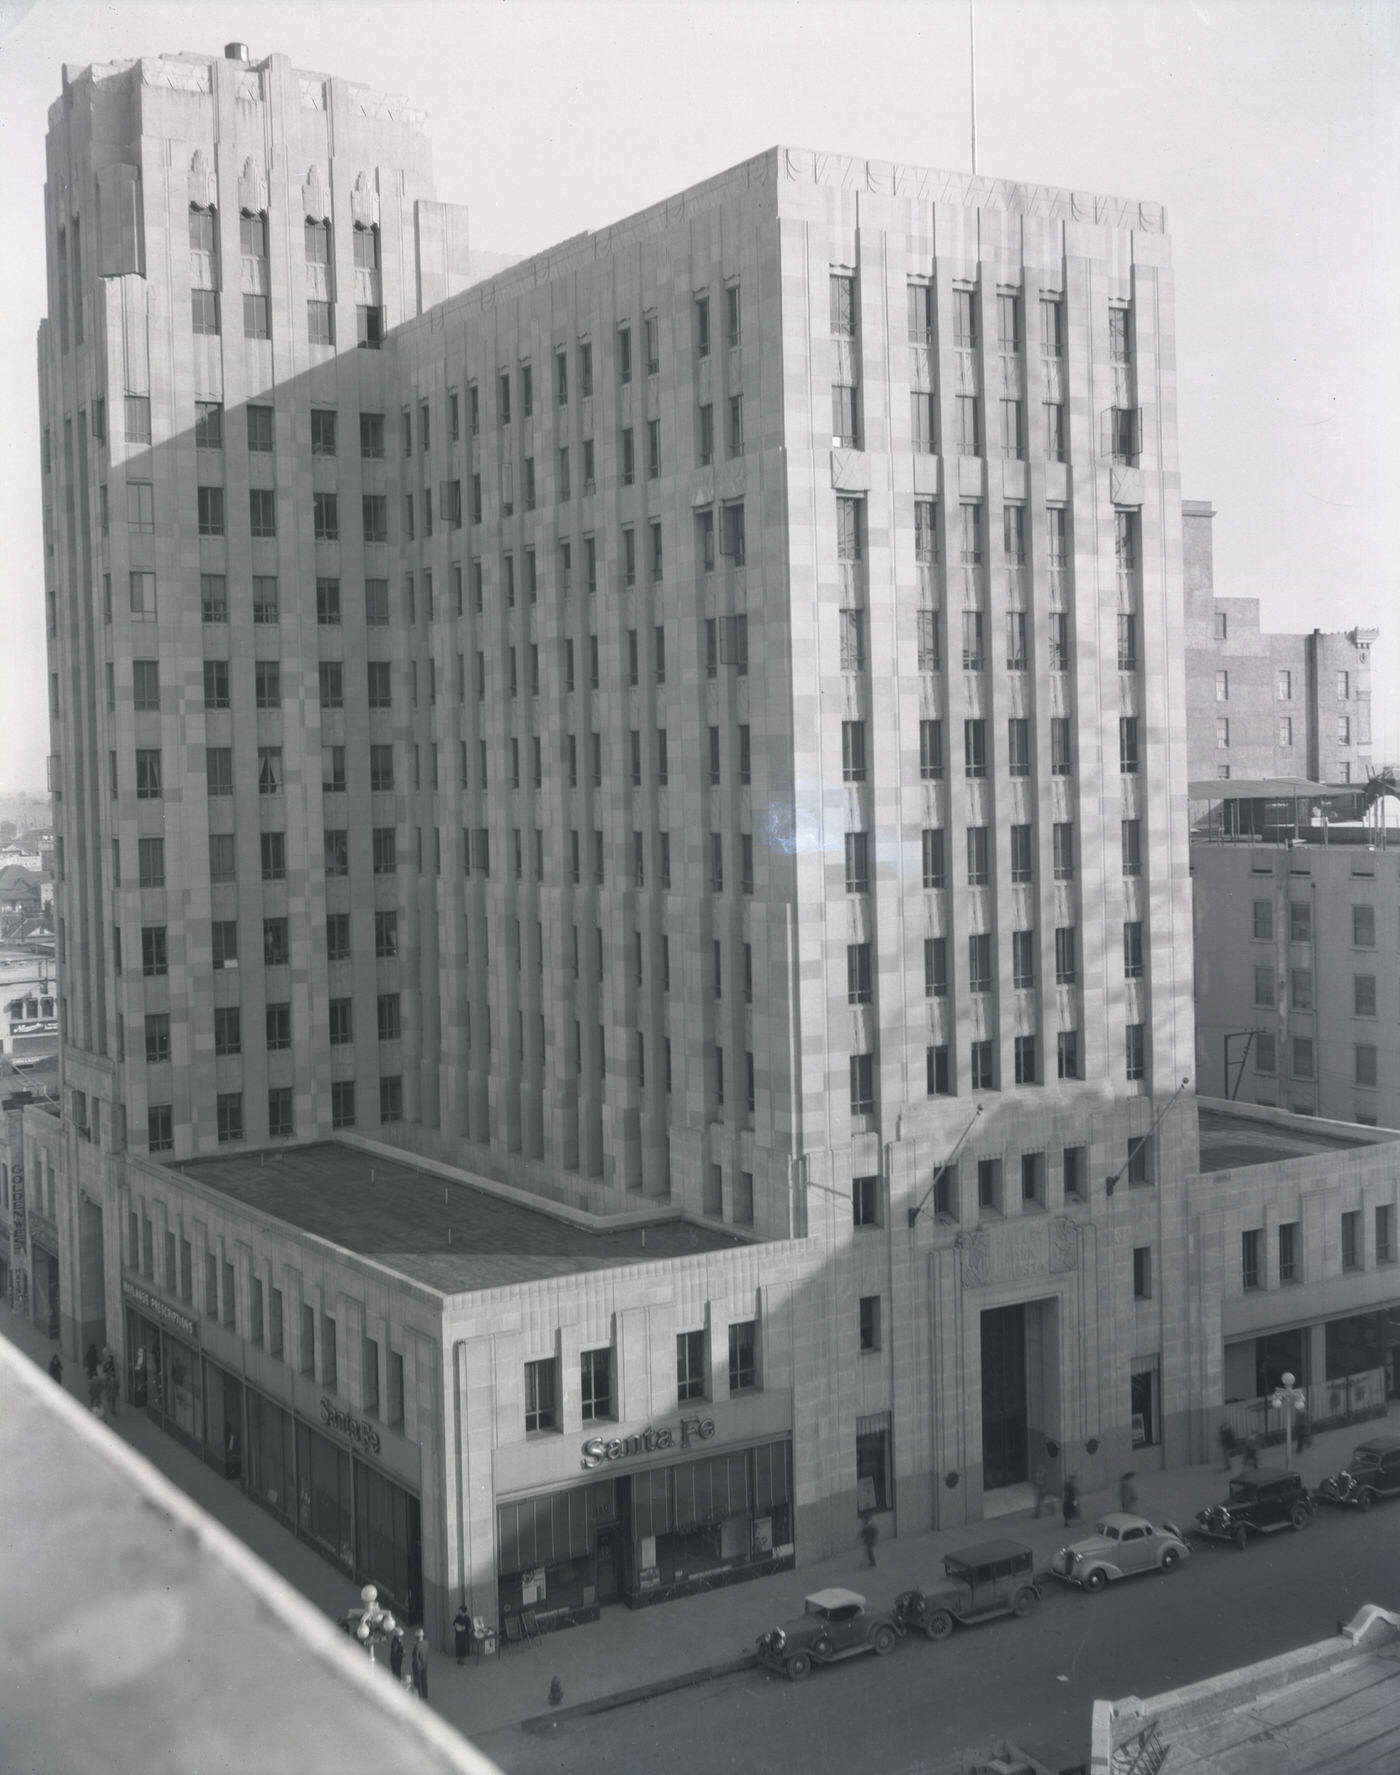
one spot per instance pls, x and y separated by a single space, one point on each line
629 1649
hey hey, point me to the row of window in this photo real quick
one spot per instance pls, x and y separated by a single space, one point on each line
1300 991
264 1314
1302 1057
1290 1246
1300 923
983 1065
230 1125
228 1027
980 976
597 1377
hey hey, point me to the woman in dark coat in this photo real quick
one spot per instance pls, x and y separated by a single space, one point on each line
396 1655
462 1632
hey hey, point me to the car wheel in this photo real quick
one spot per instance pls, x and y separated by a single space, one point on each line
1026 1603
1170 1559
1365 1500
1241 1538
799 1665
883 1641
939 1624
1096 1579
822 1648
1299 1516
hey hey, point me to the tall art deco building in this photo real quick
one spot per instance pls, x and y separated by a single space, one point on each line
686 733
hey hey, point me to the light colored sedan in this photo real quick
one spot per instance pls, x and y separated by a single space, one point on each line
1120 1547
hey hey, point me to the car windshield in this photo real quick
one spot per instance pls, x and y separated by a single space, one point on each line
1365 1457
1243 1488
1108 1530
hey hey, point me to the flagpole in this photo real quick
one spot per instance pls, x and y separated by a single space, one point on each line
972 72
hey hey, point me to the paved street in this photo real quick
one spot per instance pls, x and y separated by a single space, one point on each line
1029 1680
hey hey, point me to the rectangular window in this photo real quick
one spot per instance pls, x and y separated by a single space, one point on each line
257 317
972 649
1063 839
929 650
1135 1050
1363 927
862 1084
982 1066
975 748
930 751
934 860
1304 1065
869 1323
1363 988
1351 1240
1023 960
218 770
690 1365
210 503
1066 955
970 533
595 1384
1128 750
204 311
1263 920
1264 985
743 1356
1018 747
1024 1059
151 862
978 851
1015 640
1142 1272
1366 1064
979 962
1289 1251
273 849
1131 837
935 967
1385 1235
229 1116
857 862
1022 854
1132 950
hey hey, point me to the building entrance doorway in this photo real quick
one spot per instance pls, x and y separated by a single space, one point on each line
1004 1440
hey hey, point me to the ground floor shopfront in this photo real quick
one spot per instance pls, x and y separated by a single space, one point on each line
316 1476
646 1535
1347 1368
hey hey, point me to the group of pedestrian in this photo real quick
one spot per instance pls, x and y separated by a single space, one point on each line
415 1678
101 1373
102 1380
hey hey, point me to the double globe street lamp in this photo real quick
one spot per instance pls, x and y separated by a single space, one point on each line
376 1624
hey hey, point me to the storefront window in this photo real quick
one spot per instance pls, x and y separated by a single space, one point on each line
182 1403
873 1462
323 1500
223 1421
270 1470
388 1540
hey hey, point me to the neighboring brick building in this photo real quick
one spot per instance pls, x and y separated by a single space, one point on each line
1262 705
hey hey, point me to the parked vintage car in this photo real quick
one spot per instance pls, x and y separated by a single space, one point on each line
1119 1547
1372 1472
1259 1502
834 1624
991 1578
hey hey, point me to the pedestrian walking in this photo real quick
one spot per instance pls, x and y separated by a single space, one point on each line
90 1360
109 1390
1251 1453
420 1662
396 1653
95 1396
1226 1437
1040 1479
1069 1500
869 1534
462 1632
56 1367
139 1384
1127 1494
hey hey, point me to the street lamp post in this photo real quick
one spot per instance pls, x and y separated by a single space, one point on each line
376 1623
1288 1399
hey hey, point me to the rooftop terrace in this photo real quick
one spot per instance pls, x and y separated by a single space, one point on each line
446 1234
1229 1139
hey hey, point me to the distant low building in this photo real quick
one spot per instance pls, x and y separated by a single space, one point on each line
1261 704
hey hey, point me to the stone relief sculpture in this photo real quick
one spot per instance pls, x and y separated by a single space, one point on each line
252 188
314 201
364 201
976 1260
1064 1245
203 190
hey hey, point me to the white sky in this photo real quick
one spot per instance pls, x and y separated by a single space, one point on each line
1270 131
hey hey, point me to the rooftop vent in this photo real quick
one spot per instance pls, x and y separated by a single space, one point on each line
235 52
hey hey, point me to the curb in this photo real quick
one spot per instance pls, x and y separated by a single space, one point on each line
540 1723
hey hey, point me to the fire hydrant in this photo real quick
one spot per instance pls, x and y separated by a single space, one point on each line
556 1692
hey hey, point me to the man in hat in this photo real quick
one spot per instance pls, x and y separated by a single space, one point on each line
420 1662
